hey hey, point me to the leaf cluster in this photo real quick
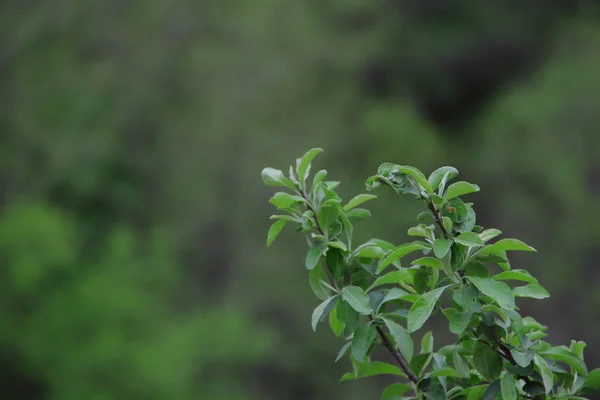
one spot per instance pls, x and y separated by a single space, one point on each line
379 293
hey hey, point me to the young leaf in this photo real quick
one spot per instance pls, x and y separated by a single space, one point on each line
487 362
489 234
379 368
436 176
460 189
427 343
417 176
357 200
358 299
274 231
592 380
469 239
314 255
563 354
498 291
402 338
282 200
328 214
356 214
429 262
315 277
447 223
507 245
343 351
334 323
515 275
393 391
397 253
509 392
303 164
476 393
422 308
541 366
402 275
532 291
319 177
274 177
441 247
459 322
363 337
460 365
323 310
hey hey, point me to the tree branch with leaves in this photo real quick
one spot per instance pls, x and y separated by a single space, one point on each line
372 296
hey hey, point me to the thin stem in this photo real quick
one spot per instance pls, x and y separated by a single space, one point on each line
397 355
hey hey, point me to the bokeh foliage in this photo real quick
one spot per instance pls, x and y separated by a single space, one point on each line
132 219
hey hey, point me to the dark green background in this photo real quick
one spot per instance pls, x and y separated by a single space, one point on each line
133 218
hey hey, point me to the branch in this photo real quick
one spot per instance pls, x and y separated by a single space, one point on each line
397 355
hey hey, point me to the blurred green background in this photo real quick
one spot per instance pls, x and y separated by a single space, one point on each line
133 218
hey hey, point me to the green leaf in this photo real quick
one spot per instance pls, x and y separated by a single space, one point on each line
282 200
427 343
314 255
477 269
319 177
356 214
489 234
395 294
422 308
522 359
460 365
274 177
421 280
459 322
534 388
402 338
315 277
303 163
460 189
357 200
338 245
436 176
507 245
334 323
368 250
563 354
492 391
362 340
592 380
487 362
446 371
515 275
358 299
441 247
274 231
447 223
328 214
323 310
476 392
417 176
467 297
509 392
469 239
541 366
380 368
429 262
402 275
532 291
396 389
397 253
343 351
426 218
498 291
577 348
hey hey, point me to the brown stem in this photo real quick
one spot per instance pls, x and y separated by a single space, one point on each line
438 220
397 355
